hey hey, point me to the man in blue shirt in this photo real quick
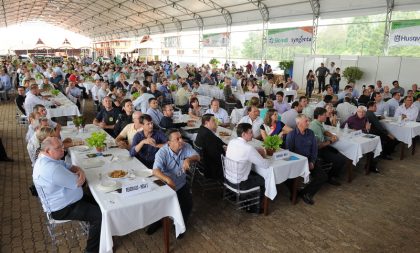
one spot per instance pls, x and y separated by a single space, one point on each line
62 193
171 163
147 142
302 141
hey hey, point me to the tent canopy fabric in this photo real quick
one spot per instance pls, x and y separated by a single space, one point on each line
107 19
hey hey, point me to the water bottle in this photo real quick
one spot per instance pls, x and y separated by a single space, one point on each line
385 114
338 125
346 128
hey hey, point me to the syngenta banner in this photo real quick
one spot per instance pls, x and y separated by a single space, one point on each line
405 33
298 36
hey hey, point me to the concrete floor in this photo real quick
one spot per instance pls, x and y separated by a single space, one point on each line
375 213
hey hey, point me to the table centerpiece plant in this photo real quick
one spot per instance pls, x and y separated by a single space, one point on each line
55 92
79 122
272 144
97 140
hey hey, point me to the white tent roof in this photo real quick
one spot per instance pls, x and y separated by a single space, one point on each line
106 19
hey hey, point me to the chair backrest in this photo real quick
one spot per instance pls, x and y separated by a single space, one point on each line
231 169
43 199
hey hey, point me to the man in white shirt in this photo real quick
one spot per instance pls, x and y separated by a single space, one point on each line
94 91
393 103
407 110
345 109
142 102
289 117
240 151
254 119
381 106
33 98
219 113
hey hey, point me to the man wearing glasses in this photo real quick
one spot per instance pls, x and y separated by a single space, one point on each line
61 187
171 163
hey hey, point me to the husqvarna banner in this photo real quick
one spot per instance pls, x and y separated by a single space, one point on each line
405 33
286 37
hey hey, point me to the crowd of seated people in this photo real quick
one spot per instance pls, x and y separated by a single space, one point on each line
136 103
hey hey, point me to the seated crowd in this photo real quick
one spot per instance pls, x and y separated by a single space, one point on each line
140 115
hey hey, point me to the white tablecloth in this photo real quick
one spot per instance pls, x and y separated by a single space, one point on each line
354 148
212 91
286 92
405 132
67 108
88 86
279 170
244 96
123 215
204 100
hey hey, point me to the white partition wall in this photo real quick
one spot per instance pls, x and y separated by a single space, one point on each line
384 68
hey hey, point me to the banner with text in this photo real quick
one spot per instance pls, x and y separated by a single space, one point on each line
172 41
216 40
297 36
405 33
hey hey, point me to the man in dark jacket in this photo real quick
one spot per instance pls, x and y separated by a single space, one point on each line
211 147
387 139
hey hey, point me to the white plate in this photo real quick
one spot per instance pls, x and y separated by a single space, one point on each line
92 163
108 185
109 172
82 148
143 173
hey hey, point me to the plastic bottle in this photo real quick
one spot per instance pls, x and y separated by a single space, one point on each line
346 128
338 125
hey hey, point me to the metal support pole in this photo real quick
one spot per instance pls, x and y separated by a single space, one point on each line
316 11
200 46
264 41
388 21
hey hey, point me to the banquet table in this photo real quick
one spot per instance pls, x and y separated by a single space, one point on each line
354 147
278 170
121 214
88 86
212 91
287 92
244 96
404 132
66 107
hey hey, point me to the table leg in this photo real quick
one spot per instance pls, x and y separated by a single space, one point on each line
294 190
402 150
349 167
166 228
413 149
369 157
266 204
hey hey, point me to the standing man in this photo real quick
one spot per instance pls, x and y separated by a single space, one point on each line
321 72
62 185
335 80
302 141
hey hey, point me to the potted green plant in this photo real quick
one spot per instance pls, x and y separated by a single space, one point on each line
221 86
352 74
79 122
97 140
287 66
214 62
272 144
135 95
55 92
173 87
